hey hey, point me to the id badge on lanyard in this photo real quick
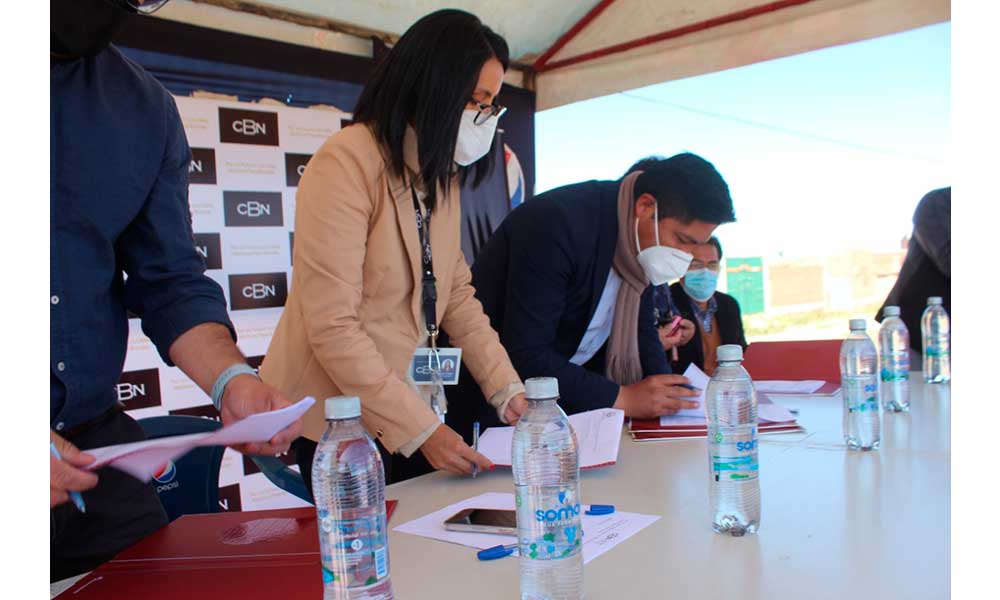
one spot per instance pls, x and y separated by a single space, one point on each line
432 366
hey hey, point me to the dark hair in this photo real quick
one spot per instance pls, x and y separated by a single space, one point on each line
718 245
428 77
644 164
686 187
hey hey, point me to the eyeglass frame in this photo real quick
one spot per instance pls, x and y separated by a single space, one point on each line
495 110
712 265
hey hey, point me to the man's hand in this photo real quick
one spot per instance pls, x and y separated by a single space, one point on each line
685 332
246 395
655 396
515 408
66 475
447 451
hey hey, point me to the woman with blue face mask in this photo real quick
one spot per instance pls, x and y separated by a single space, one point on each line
716 315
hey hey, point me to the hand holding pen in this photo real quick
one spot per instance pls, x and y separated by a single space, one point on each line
66 478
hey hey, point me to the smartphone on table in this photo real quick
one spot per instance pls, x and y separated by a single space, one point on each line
483 520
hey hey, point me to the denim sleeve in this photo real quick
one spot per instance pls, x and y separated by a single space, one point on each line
166 285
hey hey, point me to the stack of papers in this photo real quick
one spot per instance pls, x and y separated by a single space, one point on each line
142 459
691 423
600 533
598 432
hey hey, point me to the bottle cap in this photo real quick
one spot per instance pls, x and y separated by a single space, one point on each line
890 311
935 300
858 325
343 407
729 353
541 388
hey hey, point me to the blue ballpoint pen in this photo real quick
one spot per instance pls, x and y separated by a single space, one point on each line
74 496
475 446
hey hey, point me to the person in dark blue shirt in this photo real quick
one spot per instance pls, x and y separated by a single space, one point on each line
121 239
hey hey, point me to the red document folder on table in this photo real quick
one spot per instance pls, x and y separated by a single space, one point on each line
773 419
241 555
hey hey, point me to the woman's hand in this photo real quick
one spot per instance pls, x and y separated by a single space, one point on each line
515 408
447 451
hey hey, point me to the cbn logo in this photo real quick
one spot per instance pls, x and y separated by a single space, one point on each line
249 127
253 208
259 291
130 391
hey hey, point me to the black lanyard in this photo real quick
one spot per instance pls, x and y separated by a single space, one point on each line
428 281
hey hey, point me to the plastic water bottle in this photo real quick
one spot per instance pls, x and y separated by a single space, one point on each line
859 385
349 488
935 327
547 494
731 407
894 351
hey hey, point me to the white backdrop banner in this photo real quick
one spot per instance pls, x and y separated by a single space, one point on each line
246 165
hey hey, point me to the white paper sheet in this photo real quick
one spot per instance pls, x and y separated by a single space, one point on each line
807 386
598 432
767 411
142 459
698 379
600 533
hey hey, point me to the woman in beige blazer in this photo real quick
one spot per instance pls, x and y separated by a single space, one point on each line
355 315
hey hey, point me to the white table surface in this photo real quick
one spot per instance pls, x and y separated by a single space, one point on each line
834 524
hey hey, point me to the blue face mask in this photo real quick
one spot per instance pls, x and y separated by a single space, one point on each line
700 284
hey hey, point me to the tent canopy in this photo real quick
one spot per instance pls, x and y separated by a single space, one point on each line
571 51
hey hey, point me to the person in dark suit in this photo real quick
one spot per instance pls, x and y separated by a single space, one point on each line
926 270
716 315
566 279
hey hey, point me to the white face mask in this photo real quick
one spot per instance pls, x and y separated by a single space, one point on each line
661 264
474 141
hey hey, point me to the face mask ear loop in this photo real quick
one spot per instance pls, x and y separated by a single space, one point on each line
656 222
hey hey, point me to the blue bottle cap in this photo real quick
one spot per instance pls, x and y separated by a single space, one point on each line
600 509
495 552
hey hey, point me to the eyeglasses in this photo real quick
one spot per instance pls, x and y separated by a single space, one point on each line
697 264
486 111
146 7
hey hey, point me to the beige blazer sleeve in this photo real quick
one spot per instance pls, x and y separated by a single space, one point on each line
469 328
334 206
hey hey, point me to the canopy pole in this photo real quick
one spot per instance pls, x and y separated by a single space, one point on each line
665 35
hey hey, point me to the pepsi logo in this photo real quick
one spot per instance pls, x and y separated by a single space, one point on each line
166 473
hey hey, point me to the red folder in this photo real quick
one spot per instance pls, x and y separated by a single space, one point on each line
246 555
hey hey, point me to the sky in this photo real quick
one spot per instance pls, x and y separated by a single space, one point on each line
823 152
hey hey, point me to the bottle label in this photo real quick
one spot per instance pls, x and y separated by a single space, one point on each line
861 395
549 521
353 551
733 456
936 351
896 366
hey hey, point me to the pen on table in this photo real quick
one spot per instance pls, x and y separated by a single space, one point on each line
74 496
475 446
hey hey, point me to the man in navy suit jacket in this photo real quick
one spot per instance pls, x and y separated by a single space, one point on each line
544 280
